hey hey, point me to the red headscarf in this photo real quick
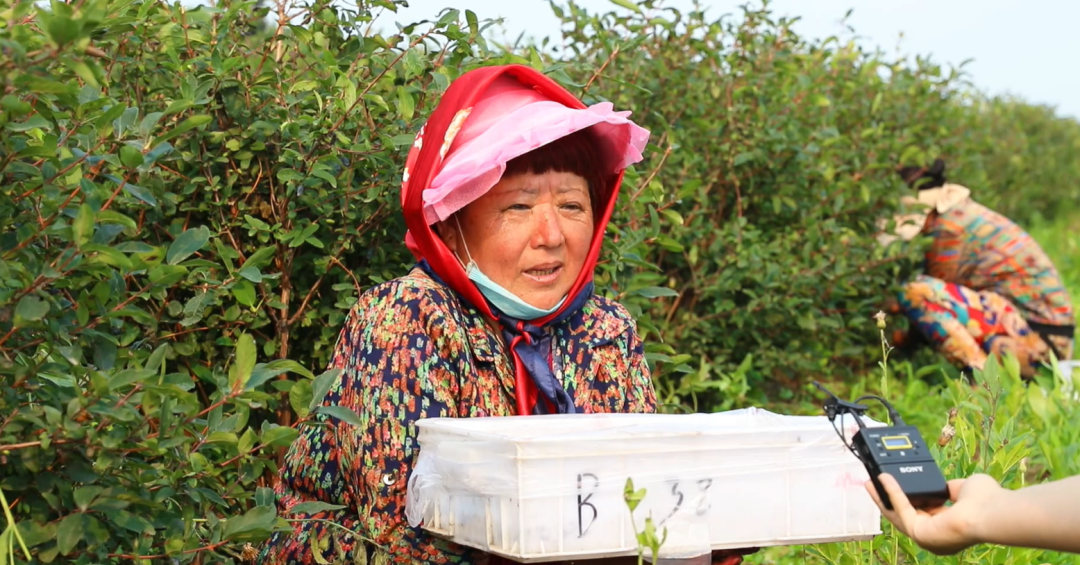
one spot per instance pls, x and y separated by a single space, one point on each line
425 160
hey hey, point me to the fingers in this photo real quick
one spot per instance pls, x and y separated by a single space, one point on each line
888 514
873 494
954 488
900 503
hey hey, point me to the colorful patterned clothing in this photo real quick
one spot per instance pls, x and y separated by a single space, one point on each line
412 349
984 251
966 325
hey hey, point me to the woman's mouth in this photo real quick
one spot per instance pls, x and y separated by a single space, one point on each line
545 274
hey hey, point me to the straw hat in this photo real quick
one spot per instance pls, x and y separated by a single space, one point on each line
909 222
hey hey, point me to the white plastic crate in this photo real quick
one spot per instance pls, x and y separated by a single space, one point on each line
545 488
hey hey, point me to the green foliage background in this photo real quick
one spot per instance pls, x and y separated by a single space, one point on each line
191 199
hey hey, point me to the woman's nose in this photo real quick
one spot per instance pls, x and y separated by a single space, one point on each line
547 232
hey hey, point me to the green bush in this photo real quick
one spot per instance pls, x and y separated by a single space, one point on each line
184 194
778 156
191 199
1022 159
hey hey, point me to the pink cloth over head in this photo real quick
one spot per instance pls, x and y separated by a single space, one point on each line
510 120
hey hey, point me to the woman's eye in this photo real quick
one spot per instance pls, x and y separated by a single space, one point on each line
575 206
518 207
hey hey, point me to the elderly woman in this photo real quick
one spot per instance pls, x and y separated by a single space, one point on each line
507 192
988 288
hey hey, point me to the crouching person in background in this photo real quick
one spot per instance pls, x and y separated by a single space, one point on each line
987 287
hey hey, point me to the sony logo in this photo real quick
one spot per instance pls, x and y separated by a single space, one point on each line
911 469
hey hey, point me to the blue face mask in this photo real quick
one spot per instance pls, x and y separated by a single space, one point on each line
505 301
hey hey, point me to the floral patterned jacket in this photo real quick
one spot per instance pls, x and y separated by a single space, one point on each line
411 349
983 250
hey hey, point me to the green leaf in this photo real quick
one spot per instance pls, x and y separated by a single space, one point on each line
244 292
258 521
140 193
138 248
125 121
322 385
184 127
672 216
287 175
246 357
347 88
35 533
131 522
159 151
414 62
342 413
247 441
402 140
103 254
265 371
222 437
198 461
31 308
167 275
14 106
632 497
148 123
186 244
259 259
59 29
300 397
89 93
70 532
129 376
449 17
655 292
136 314
110 217
628 4
303 86
251 273
264 496
38 85
34 122
84 496
316 551
130 157
105 354
405 104
378 100
178 106
470 19
326 176
84 71
82 229
313 507
154 362
743 158
279 436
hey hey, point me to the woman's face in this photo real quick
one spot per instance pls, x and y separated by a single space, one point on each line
530 234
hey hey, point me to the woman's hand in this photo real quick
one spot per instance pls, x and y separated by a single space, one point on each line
946 529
